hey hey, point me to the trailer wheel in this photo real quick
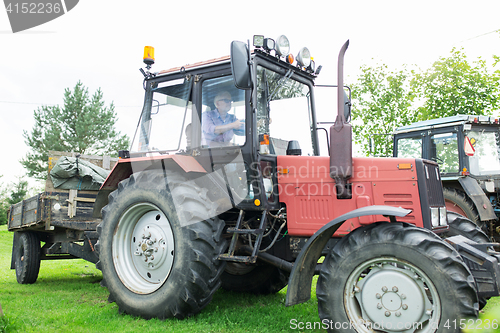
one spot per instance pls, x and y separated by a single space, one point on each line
254 279
158 246
394 277
27 257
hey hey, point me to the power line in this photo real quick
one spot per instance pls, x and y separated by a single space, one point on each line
11 102
487 33
117 106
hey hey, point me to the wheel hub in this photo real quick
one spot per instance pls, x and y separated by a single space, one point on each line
392 298
143 248
151 246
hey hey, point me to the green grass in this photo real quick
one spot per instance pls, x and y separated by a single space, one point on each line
68 297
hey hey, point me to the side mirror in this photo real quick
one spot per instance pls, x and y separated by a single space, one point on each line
239 65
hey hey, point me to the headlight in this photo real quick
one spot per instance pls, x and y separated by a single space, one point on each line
435 216
304 57
267 44
438 217
443 220
282 46
258 40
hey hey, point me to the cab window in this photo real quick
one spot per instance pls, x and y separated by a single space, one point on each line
223 113
410 147
444 150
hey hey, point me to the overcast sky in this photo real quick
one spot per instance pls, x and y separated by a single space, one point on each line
101 44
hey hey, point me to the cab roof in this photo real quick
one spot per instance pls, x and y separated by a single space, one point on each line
448 121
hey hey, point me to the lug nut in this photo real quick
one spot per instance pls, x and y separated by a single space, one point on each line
395 289
378 296
387 314
398 314
403 296
404 307
384 289
379 306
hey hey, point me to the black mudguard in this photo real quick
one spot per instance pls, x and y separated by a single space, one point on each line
480 200
299 283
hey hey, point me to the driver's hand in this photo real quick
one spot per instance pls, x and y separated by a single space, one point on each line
237 124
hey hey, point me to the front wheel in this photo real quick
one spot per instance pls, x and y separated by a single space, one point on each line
158 246
393 277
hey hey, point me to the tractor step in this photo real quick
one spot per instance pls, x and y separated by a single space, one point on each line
236 231
228 257
245 231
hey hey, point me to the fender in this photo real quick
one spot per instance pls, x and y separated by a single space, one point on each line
125 167
480 200
299 283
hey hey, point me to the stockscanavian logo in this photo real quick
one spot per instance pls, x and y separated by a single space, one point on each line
26 14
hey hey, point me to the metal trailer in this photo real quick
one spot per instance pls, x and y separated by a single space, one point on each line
61 219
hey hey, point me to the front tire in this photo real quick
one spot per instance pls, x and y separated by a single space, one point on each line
460 225
394 277
158 246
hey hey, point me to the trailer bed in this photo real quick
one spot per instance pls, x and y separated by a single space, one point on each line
49 210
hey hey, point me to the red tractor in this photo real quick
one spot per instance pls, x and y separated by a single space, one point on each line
225 186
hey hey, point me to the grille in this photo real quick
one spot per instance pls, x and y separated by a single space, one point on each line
433 185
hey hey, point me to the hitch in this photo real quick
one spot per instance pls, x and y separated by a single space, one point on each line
483 262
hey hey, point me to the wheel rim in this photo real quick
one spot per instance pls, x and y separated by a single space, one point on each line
391 295
143 248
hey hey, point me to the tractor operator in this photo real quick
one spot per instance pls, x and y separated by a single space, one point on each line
218 126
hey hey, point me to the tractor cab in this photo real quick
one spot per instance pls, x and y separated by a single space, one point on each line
235 132
467 149
461 145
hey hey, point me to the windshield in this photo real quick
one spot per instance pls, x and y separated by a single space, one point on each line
283 111
486 158
165 117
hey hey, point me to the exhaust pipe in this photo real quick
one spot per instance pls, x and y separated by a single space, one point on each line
341 138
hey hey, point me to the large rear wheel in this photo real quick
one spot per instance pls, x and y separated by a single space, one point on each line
158 245
456 201
393 277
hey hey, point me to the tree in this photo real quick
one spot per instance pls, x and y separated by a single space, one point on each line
3 204
82 125
382 101
18 193
455 86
